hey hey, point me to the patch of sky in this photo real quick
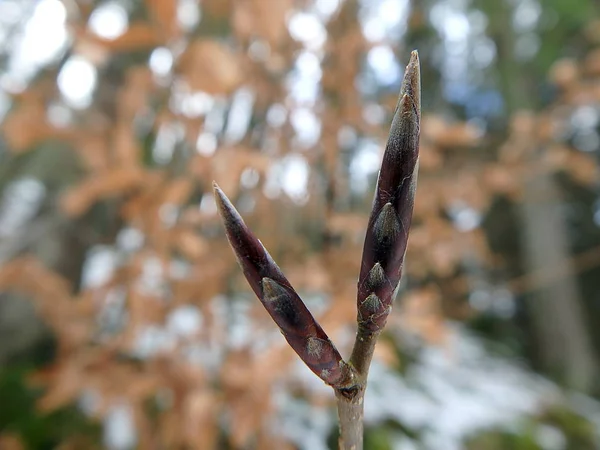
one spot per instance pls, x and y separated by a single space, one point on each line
43 39
109 20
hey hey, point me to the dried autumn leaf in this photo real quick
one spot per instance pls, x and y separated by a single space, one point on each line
210 66
459 135
64 388
422 314
347 223
260 18
126 146
200 415
501 179
218 8
138 36
583 168
564 73
592 31
165 13
190 244
132 99
93 150
10 442
386 353
429 158
178 191
28 125
103 185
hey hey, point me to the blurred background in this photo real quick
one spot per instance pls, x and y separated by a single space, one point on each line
125 322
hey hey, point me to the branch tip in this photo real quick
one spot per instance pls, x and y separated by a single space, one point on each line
414 57
220 197
411 84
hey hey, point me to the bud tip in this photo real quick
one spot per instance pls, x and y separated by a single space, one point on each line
414 57
223 204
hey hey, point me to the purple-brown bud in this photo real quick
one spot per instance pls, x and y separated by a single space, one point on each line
279 298
389 223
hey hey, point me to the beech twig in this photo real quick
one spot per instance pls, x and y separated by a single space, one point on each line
381 267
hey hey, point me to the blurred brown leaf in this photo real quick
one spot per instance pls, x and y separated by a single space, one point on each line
10 442
138 36
210 66
259 18
103 185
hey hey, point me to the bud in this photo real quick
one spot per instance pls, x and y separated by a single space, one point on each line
389 223
279 298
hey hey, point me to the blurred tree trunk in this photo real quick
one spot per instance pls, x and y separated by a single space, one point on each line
558 323
558 319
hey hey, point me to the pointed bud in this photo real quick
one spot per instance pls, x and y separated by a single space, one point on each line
387 231
281 301
411 84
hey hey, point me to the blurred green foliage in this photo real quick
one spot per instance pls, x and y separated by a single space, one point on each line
40 431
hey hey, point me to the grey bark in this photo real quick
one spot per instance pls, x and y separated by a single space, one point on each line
558 317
